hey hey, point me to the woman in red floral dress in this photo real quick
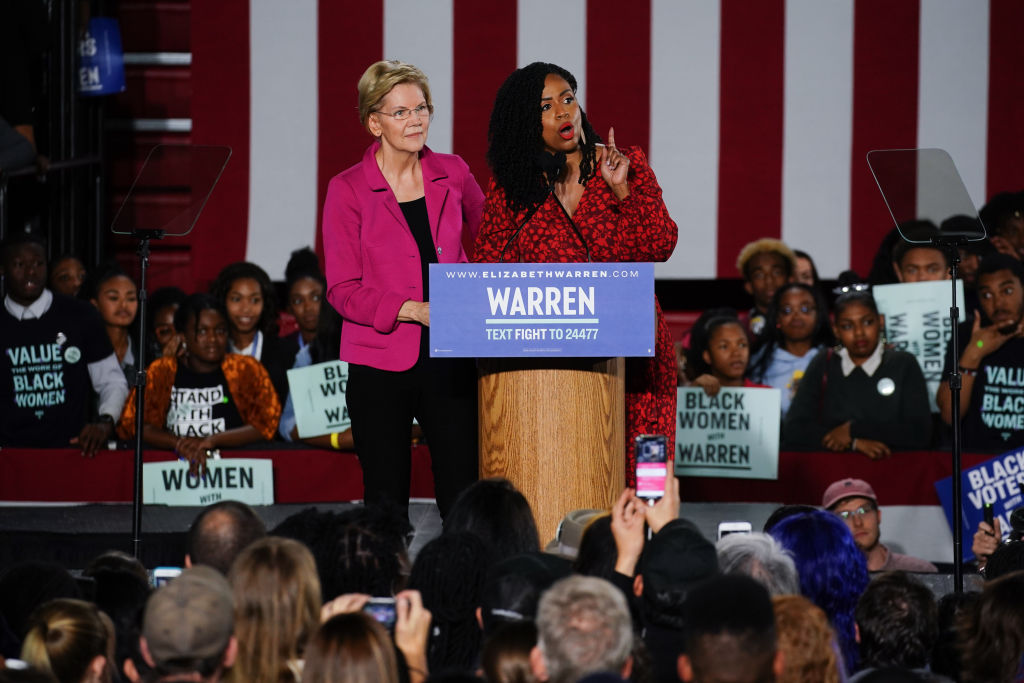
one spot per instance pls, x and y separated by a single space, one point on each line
614 201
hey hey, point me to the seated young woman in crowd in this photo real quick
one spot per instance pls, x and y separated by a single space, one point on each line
67 275
304 284
724 356
797 328
161 337
116 297
863 397
246 293
210 398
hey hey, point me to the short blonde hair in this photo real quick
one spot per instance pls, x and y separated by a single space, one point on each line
765 245
378 80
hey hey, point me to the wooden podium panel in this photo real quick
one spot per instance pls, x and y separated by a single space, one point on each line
555 428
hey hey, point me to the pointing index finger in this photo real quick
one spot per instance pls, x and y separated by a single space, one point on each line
611 137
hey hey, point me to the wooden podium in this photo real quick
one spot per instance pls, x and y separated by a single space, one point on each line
550 340
555 428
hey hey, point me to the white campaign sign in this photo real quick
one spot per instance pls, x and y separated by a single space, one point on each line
917 321
318 394
249 480
733 434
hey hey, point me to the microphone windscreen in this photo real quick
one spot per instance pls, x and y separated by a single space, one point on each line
551 164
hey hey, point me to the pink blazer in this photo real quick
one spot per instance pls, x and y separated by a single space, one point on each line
371 257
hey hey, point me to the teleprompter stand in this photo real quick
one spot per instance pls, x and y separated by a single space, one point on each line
930 206
191 172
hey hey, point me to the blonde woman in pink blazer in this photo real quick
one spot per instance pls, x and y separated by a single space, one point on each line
385 219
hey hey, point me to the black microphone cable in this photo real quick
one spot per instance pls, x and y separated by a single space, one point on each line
551 165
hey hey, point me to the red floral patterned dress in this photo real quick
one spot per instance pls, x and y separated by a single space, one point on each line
636 229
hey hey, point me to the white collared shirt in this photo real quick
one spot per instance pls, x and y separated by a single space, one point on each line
34 310
869 366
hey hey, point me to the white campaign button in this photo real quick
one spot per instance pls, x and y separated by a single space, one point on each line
886 386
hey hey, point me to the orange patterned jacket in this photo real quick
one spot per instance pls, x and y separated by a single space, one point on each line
247 381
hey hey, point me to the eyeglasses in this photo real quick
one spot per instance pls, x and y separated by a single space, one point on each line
855 287
803 308
859 512
422 111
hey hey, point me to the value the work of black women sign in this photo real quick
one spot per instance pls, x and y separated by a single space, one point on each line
541 309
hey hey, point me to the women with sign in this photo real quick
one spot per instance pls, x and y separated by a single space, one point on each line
386 219
797 328
210 399
723 358
560 195
864 397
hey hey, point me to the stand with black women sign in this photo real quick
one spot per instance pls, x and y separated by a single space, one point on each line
190 172
930 205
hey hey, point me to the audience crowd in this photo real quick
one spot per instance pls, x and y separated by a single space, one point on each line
328 597
212 358
331 597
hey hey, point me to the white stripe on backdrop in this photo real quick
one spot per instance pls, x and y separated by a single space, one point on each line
684 128
282 132
684 145
952 110
818 111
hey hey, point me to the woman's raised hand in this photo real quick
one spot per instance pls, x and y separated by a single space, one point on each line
615 167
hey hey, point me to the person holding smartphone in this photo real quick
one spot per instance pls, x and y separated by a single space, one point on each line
409 625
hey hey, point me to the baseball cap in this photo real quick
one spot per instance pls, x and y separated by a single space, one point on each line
847 488
678 556
192 617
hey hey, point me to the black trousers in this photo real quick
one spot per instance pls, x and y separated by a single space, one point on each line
441 394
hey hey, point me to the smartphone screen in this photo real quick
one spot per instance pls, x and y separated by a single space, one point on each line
383 610
726 528
162 575
651 465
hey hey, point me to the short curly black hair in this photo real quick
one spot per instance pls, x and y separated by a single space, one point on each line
514 136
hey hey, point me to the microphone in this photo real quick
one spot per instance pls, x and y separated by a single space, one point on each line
551 166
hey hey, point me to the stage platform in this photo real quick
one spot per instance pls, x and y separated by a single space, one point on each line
71 535
42 491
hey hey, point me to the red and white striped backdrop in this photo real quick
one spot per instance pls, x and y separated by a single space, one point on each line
756 114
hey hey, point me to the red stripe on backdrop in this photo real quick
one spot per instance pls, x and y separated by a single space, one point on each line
885 84
220 116
751 126
618 77
484 54
350 38
1005 152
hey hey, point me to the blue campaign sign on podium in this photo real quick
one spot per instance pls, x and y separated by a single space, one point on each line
541 309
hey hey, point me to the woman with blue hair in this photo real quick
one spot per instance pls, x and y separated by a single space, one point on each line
832 569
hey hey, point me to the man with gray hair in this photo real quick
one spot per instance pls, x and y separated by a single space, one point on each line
583 627
760 557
